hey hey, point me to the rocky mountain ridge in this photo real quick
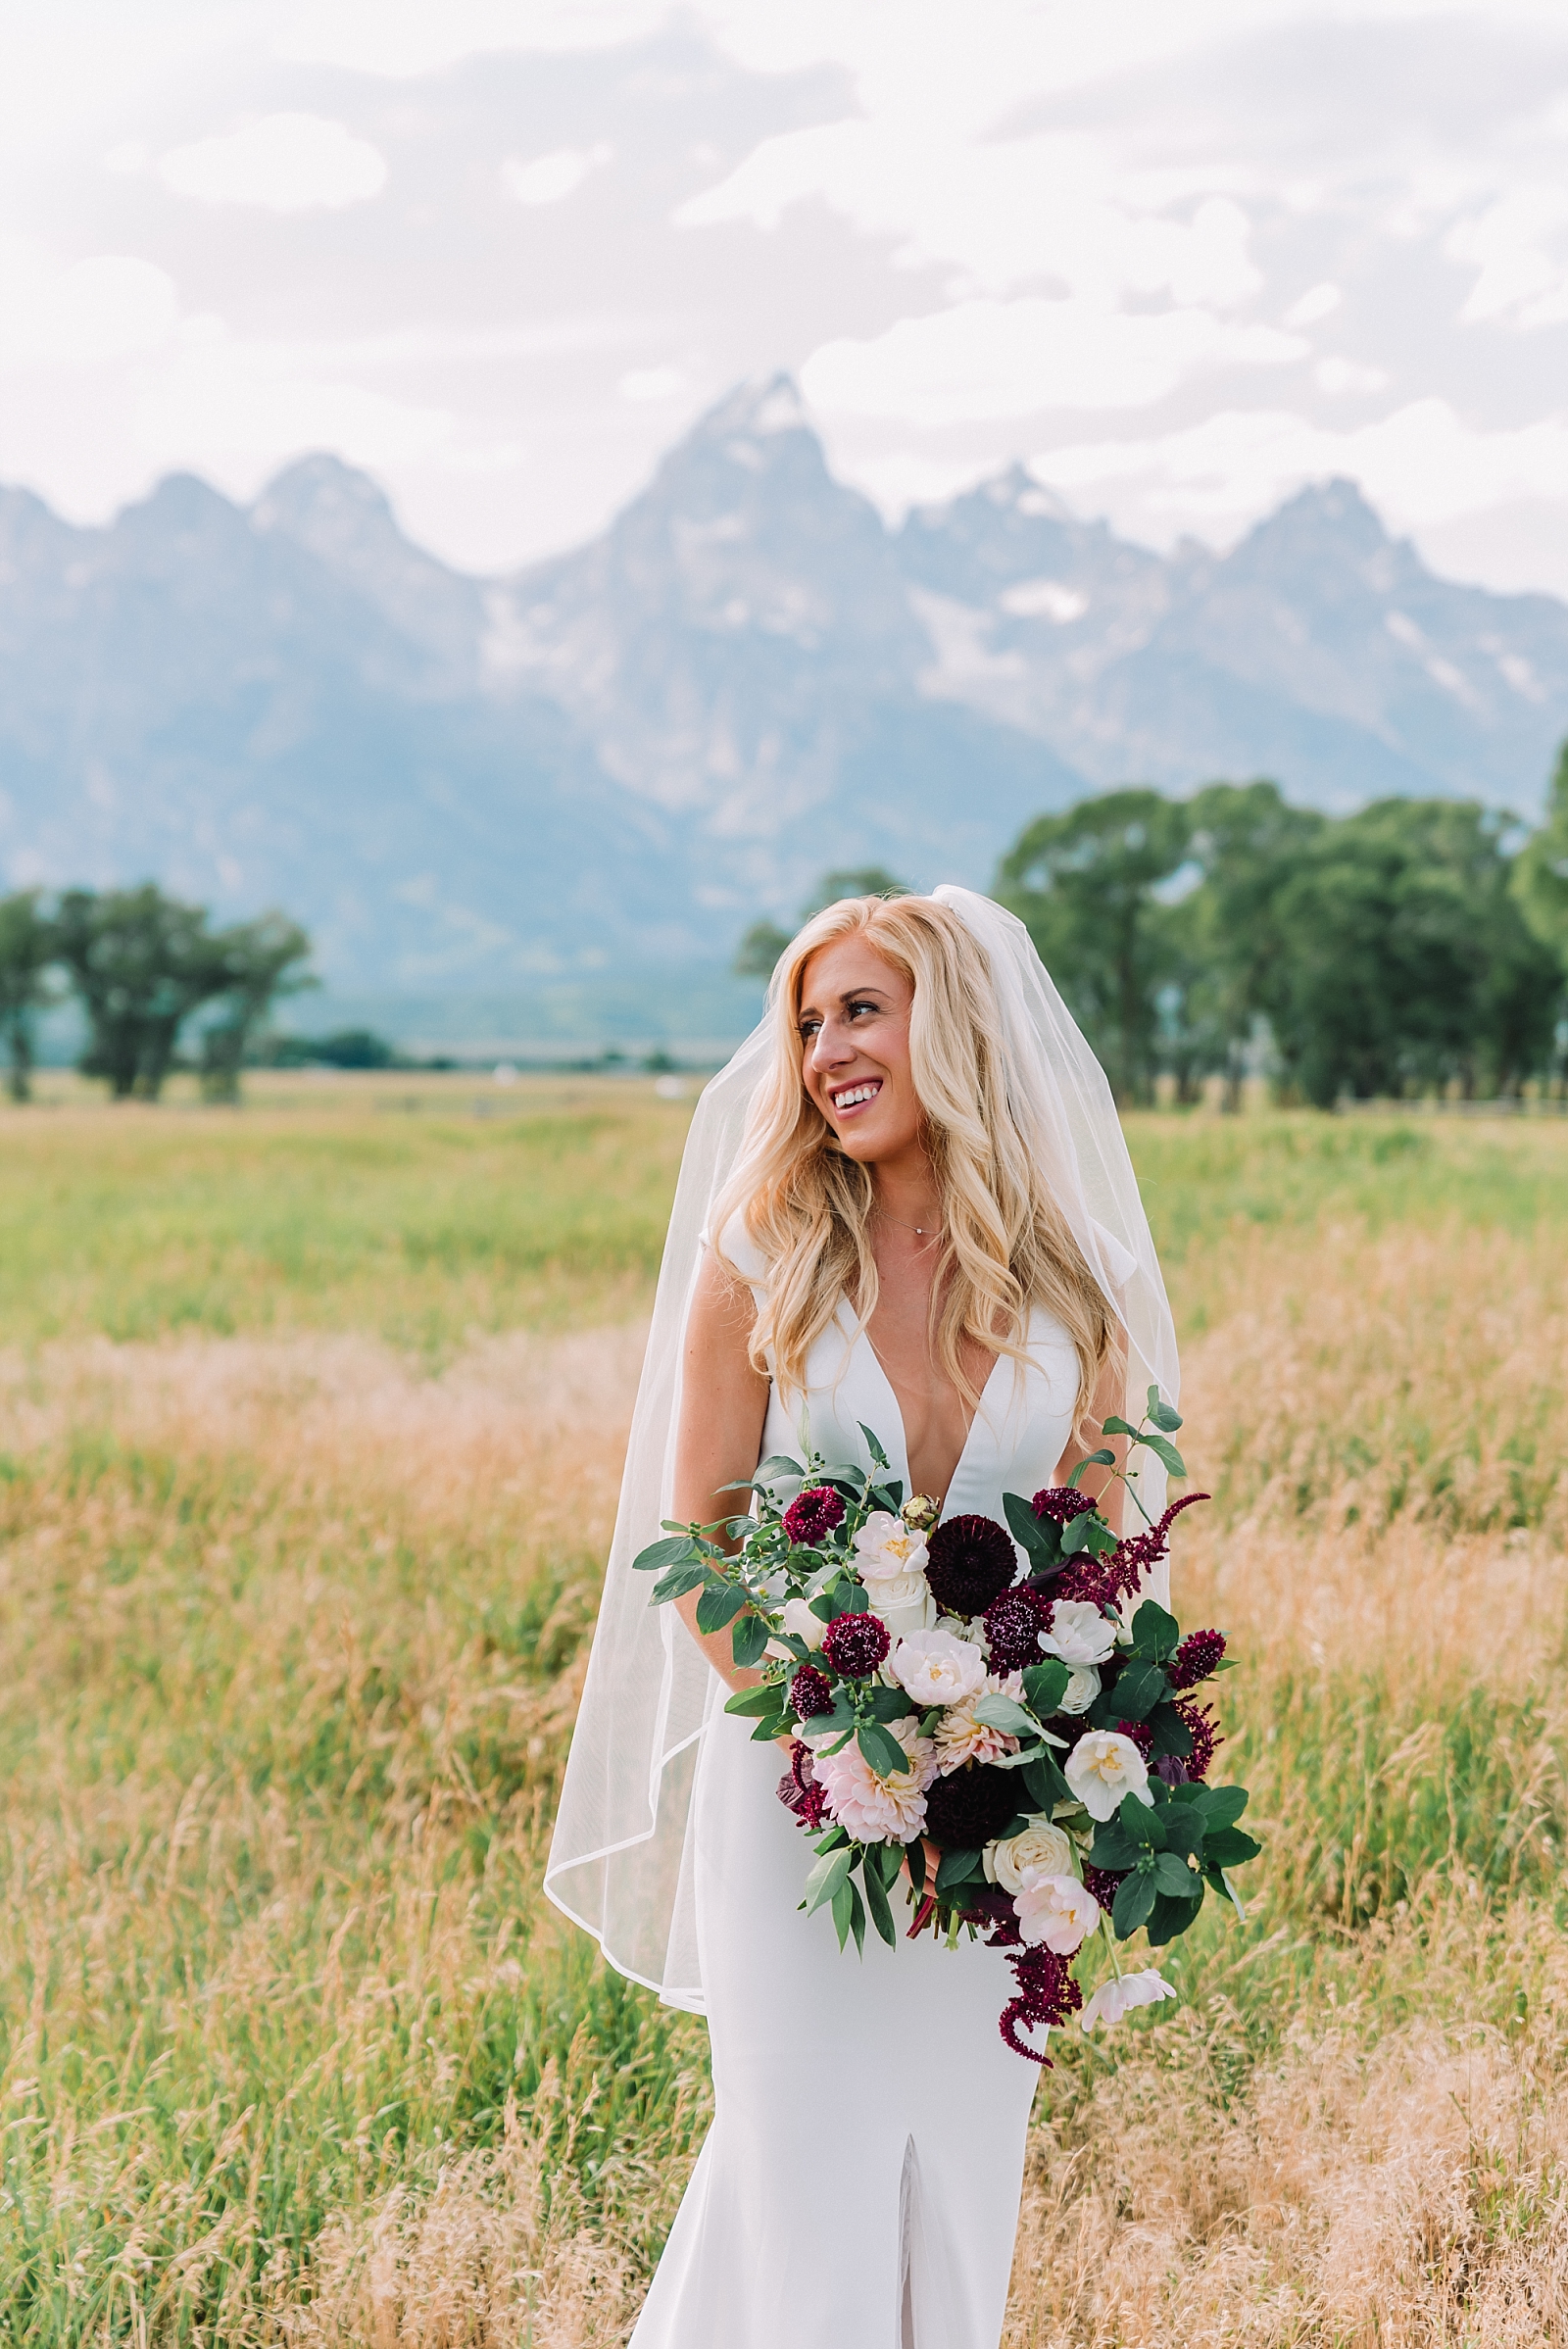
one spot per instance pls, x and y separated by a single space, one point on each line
611 761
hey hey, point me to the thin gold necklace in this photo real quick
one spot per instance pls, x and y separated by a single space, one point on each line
925 1231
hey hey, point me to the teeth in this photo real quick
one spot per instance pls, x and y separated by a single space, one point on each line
855 1093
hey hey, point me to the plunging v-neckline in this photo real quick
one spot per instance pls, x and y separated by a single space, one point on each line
863 1337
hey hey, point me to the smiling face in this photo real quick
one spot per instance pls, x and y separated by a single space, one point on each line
855 1040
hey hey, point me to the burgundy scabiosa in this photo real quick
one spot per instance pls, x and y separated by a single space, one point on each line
1013 1625
1199 1718
969 1562
811 1693
1062 1504
1195 1658
813 1513
855 1644
970 1810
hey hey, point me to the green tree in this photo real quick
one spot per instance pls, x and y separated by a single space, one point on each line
763 943
140 964
258 958
1085 884
1404 960
1541 870
28 947
1243 843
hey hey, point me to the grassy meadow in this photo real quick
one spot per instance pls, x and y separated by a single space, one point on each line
310 1419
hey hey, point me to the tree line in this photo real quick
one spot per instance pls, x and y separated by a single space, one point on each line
141 965
1411 947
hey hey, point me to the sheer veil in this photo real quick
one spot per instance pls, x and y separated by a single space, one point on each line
620 1863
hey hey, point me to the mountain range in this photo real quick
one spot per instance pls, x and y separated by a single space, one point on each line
600 768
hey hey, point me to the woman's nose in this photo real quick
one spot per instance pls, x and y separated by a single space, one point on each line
831 1045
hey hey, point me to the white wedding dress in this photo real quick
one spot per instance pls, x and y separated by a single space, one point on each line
858 2188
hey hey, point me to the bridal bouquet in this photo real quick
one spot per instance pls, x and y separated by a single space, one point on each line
1020 1729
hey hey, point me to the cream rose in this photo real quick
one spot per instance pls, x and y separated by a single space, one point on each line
1081 1691
1102 1767
1057 1910
1042 1847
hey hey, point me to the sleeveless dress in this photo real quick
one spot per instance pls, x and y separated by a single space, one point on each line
859 2186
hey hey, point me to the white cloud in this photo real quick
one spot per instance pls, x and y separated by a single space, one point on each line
229 401
1422 465
653 384
1006 212
550 178
988 360
284 163
1509 245
1318 302
110 306
1338 376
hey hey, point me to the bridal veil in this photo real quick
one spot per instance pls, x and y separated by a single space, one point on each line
621 1863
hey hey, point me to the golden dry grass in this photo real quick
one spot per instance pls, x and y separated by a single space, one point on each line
294 1626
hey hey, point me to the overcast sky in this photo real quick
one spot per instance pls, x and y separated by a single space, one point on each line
1178 255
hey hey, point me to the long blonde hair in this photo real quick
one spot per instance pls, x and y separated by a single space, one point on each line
1007 1246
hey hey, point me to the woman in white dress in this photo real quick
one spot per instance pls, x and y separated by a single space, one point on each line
908 1208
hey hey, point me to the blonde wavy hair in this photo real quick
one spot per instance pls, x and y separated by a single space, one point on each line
807 1207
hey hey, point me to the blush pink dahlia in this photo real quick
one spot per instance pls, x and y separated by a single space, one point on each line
871 1808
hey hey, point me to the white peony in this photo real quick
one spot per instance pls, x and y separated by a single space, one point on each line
1081 1691
885 1549
1041 1846
1057 1910
1113 1999
1102 1767
960 1738
1079 1634
935 1668
875 1809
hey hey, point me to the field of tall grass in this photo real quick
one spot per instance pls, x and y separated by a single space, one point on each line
309 1430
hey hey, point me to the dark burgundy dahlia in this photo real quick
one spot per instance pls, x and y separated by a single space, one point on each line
811 1693
1013 1625
970 1810
813 1513
969 1562
1062 1504
1195 1658
855 1644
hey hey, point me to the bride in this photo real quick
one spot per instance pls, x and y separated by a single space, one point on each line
905 1206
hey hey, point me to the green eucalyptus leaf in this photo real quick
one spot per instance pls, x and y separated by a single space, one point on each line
1095 1459
873 1448
823 1882
876 1900
750 1702
1113 1847
1173 1876
677 1581
718 1606
1000 1712
1228 1847
1156 1632
1170 1917
1170 1732
1163 1449
1045 1685
1141 1822
779 1465
1221 1806
881 1749
1135 1898
660 1554
1139 1688
1117 1427
956 1868
748 1640
1184 1830
1039 1538
1043 1783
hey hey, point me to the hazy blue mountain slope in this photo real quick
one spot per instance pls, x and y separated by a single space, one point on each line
601 767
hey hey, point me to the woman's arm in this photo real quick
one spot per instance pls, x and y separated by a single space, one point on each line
718 1439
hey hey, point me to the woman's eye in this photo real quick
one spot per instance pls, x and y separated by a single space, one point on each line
857 1009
